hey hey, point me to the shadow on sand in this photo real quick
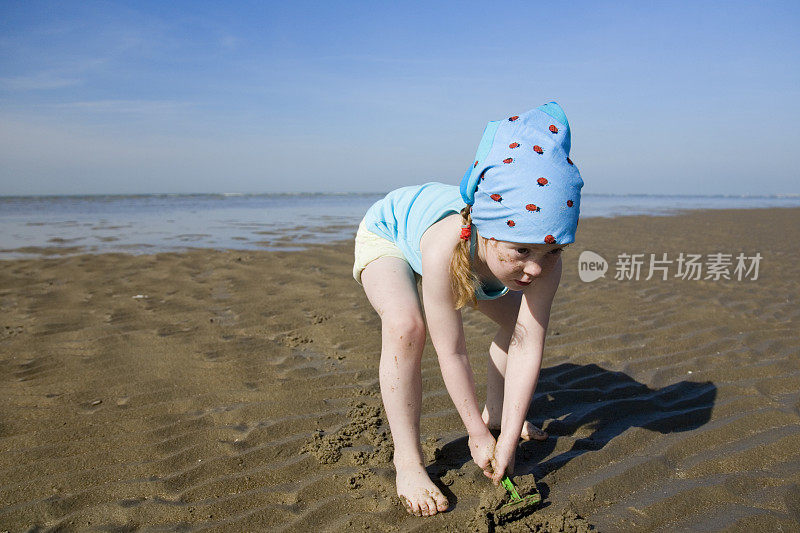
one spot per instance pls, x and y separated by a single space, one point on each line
601 404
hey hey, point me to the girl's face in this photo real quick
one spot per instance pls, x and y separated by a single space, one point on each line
516 265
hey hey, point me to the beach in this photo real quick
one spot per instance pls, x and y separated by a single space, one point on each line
238 390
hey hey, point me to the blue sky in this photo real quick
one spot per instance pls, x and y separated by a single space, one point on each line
138 97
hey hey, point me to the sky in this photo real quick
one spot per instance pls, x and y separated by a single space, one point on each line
260 97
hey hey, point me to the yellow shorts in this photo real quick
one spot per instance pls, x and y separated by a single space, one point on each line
370 247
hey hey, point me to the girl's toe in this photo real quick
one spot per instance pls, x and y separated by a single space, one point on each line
410 506
531 432
419 505
425 507
441 502
433 505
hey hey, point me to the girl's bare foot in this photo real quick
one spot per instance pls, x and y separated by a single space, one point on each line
418 493
529 431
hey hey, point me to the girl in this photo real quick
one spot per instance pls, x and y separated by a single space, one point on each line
500 253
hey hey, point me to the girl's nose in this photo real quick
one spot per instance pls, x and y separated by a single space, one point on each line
533 269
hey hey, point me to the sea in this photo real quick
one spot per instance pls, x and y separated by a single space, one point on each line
36 226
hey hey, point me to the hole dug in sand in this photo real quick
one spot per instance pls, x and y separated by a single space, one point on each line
488 516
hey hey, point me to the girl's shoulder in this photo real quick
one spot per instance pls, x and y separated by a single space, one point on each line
441 238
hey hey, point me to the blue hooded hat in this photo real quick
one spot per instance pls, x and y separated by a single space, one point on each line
522 186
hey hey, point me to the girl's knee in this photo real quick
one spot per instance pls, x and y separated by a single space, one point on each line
404 328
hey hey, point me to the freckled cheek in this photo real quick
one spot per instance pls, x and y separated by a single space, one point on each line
508 263
502 267
510 267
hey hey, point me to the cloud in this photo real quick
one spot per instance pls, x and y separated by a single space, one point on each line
132 107
42 81
229 42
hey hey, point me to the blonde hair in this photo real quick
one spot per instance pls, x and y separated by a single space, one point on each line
463 280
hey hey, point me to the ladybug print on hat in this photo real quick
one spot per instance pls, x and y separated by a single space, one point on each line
538 149
512 119
542 182
569 203
513 145
496 197
511 223
532 207
553 128
550 239
507 160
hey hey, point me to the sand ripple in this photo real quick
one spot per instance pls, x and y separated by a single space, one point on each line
239 392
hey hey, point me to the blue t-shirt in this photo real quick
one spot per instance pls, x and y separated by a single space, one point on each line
404 214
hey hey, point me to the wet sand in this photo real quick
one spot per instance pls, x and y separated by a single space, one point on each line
238 391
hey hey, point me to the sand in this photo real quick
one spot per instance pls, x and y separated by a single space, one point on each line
238 391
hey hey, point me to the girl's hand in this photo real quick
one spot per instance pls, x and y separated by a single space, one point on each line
504 452
482 448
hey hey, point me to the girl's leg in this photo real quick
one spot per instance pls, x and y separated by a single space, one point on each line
392 290
504 312
495 378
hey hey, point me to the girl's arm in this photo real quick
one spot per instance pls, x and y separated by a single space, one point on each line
524 362
447 335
